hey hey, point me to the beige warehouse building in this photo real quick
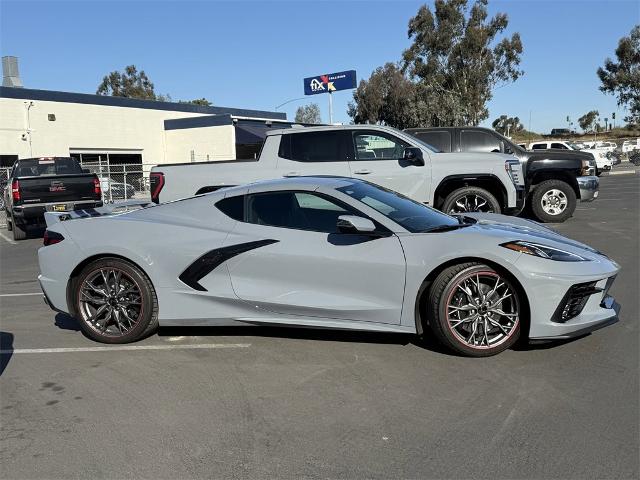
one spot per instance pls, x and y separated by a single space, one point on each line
95 128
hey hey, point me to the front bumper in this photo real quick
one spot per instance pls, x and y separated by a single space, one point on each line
608 303
589 188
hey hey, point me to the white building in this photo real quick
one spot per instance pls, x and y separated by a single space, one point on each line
92 128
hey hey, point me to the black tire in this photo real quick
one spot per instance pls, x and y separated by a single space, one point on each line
19 231
471 197
9 224
445 289
543 197
147 321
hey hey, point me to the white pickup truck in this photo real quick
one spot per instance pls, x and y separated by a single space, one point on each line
452 182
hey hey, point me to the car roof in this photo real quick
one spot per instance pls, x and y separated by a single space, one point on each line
324 128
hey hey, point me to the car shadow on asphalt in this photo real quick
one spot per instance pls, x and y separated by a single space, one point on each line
316 334
66 322
6 350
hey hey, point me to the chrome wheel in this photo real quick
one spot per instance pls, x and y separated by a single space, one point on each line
110 302
471 203
482 310
554 202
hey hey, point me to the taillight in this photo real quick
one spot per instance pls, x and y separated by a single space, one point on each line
51 238
15 190
156 180
96 187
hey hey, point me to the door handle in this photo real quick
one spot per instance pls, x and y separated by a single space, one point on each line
291 174
364 171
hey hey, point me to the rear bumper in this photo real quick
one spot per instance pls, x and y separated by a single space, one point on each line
35 213
589 188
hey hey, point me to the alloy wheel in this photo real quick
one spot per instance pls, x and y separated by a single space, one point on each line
554 202
110 302
471 203
482 310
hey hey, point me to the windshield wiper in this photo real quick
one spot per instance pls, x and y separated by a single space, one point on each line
446 228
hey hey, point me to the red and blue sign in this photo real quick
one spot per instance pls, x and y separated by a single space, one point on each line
331 82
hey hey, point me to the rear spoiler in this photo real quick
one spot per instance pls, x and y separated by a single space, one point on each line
52 218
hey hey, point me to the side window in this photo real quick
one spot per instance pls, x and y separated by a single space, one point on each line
313 147
475 141
539 146
377 146
232 207
559 146
296 210
439 140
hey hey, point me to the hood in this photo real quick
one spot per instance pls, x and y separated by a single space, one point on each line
560 154
514 228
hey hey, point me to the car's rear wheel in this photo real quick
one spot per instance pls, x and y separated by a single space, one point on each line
19 231
470 199
114 301
474 310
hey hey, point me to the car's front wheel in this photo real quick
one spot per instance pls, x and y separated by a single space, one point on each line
474 310
553 201
114 301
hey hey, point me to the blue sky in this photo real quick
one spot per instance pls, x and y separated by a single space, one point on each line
255 54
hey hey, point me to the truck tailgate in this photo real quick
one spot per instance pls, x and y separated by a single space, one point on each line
58 188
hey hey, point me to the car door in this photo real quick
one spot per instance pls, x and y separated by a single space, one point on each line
313 153
306 268
378 158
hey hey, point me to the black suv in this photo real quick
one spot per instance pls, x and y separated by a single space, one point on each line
554 179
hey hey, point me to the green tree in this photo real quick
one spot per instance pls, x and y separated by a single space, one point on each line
308 114
457 60
622 78
198 101
130 83
388 97
507 125
588 120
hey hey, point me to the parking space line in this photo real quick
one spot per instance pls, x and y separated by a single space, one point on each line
116 348
2 235
19 294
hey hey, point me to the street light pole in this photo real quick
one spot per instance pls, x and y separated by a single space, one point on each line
330 109
289 101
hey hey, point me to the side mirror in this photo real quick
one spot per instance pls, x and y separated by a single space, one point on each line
413 155
355 224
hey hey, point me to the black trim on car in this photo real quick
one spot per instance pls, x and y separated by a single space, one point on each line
208 262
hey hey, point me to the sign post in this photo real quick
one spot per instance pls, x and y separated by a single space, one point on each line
330 83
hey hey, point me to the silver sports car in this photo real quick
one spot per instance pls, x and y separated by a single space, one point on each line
325 252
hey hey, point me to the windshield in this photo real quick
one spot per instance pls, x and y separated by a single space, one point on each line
413 216
34 167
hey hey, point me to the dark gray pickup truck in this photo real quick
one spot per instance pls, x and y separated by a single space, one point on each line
554 179
47 184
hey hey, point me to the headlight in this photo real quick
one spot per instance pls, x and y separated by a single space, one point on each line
543 251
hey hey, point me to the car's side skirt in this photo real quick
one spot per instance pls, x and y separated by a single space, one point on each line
290 321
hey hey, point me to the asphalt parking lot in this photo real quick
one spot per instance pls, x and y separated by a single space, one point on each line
285 403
